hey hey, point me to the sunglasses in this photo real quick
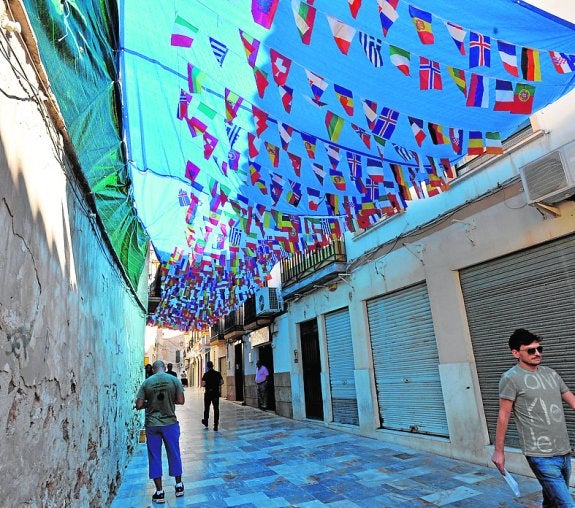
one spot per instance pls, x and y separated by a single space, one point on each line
531 350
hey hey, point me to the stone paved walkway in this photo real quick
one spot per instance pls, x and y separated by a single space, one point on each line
259 459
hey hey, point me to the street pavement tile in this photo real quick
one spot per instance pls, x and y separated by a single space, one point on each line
261 460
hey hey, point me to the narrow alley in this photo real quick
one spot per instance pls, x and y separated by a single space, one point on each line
259 459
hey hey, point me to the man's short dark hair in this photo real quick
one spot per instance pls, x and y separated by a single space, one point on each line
522 337
210 365
170 366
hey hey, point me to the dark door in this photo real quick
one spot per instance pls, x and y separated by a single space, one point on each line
311 366
239 371
266 356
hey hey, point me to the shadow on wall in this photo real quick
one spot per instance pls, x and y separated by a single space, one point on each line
71 333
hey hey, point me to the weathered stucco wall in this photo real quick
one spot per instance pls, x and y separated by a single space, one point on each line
71 332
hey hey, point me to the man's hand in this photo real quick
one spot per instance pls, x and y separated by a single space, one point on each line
498 459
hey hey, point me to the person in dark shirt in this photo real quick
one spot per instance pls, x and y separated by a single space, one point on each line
170 371
211 381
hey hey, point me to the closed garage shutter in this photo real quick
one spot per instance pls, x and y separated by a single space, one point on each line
406 362
533 289
341 367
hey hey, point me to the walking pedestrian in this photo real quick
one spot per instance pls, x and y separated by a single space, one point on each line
170 370
535 395
149 370
262 375
211 381
158 395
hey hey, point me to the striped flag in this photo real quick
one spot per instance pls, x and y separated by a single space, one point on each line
456 137
286 96
273 152
372 48
334 124
309 143
478 95
183 33
437 135
562 62
400 58
285 132
508 54
370 110
318 86
417 129
503 95
261 119
262 82
458 76
219 49
295 162
422 22
475 146
493 143
342 33
345 97
304 16
530 64
387 14
195 78
458 35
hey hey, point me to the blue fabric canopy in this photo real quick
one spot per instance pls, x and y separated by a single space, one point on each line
260 128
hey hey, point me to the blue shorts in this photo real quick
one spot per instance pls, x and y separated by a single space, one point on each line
170 436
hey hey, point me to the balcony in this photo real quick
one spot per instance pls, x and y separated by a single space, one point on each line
217 331
304 272
253 321
233 325
154 293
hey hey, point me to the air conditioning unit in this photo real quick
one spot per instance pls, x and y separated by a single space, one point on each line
550 178
268 301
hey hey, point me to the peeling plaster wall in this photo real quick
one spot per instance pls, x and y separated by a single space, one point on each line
71 332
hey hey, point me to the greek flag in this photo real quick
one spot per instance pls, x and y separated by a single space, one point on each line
220 50
372 48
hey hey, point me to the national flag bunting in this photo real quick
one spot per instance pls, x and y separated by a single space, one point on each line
333 155
260 119
285 132
334 124
253 145
456 137
345 97
417 129
183 33
404 195
422 22
523 99
508 55
458 35
318 171
196 78
314 198
479 50
342 33
286 96
504 97
530 64
475 146
437 135
458 76
304 16
273 152
385 123
318 86
363 135
263 12
183 104
280 67
354 6
493 143
429 75
295 162
219 49
400 58
251 46
478 95
387 14
354 163
372 48
233 103
309 143
370 110
262 82
562 62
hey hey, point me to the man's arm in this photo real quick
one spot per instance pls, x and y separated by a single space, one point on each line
180 399
140 404
498 458
569 398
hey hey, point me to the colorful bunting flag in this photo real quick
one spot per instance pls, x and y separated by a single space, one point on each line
478 95
458 35
404 195
210 143
504 97
233 103
333 155
342 33
493 143
345 97
286 96
261 80
263 12
318 86
295 162
253 145
400 58
436 133
429 75
374 170
195 78
261 119
562 62
314 198
285 132
234 159
183 33
334 124
219 49
304 16
508 55
404 153
479 50
456 137
251 46
370 110
363 135
387 14
354 6
417 129
273 152
385 123
422 22
523 99
233 132
338 180
318 171
372 48
293 196
530 64
354 163
458 76
475 146
183 104
280 67
309 143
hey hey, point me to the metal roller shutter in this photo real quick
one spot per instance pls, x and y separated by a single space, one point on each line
533 289
341 367
406 362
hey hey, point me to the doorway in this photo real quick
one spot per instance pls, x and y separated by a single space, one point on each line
311 366
266 356
239 370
